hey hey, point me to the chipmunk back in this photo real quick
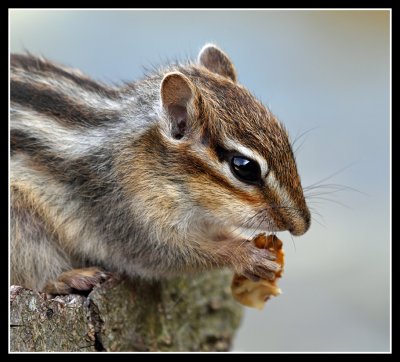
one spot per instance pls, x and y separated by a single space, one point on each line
167 175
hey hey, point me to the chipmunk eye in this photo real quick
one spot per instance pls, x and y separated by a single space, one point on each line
245 169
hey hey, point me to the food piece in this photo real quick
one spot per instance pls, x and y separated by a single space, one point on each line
255 294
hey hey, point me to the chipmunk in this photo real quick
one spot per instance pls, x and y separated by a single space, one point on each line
170 174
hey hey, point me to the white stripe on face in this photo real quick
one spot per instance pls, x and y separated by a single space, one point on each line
284 198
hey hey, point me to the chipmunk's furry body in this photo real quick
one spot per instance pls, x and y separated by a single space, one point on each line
137 179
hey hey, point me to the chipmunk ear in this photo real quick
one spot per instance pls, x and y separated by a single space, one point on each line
215 60
176 95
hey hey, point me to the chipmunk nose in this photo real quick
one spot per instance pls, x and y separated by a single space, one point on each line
301 223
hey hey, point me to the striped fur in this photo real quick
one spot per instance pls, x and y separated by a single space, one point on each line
98 178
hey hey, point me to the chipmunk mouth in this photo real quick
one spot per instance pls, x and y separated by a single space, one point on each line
240 233
249 233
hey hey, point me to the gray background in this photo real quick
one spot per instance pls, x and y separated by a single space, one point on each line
322 70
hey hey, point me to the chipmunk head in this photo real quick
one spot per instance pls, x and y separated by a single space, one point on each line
225 157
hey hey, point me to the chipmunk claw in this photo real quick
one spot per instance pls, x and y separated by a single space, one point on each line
80 281
262 264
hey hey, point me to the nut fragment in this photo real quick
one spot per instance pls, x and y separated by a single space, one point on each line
256 293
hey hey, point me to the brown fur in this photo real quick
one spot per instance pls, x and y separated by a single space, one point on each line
134 179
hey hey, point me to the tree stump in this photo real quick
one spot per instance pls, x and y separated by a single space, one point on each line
190 313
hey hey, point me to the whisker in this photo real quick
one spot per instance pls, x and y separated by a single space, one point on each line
315 216
332 187
323 225
314 212
314 202
332 175
252 235
298 148
260 223
294 244
311 195
250 221
332 200
297 138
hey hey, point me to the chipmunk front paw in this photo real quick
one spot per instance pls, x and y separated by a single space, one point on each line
80 281
260 263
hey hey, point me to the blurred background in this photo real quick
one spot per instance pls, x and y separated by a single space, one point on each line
326 73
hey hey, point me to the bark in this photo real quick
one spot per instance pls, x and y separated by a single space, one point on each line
191 313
